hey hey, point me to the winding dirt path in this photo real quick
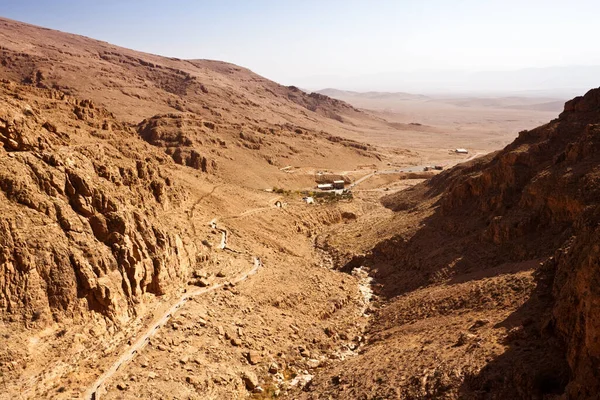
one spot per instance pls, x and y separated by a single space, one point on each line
358 181
94 392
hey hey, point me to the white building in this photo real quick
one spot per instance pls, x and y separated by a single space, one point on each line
325 186
339 184
461 151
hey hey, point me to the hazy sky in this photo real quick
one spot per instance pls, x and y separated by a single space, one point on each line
290 41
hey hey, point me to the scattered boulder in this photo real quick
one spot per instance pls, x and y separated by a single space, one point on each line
250 380
478 324
273 368
253 357
465 338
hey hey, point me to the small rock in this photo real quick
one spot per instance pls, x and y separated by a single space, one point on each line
250 380
152 375
201 322
236 342
191 380
49 126
13 144
253 357
200 274
304 353
203 282
479 323
464 338
220 274
183 360
122 386
161 347
258 389
273 368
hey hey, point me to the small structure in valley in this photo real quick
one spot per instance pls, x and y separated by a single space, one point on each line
325 186
339 184
461 151
309 200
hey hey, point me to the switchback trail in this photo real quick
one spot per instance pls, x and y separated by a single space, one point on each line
143 340
94 392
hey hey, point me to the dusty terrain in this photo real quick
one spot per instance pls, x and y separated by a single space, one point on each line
155 243
431 123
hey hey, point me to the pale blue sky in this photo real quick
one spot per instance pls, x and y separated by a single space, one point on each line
291 41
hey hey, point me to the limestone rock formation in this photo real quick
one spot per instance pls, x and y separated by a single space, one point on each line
82 227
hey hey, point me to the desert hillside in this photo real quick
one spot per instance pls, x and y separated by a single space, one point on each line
225 116
117 166
163 235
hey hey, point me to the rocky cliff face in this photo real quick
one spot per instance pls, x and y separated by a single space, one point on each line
84 206
538 199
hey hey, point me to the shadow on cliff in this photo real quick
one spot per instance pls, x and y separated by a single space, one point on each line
490 217
452 251
534 365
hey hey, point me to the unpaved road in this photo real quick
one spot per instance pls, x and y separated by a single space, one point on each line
415 168
358 181
223 244
94 392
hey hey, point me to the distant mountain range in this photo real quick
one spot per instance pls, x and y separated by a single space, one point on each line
338 94
385 100
560 82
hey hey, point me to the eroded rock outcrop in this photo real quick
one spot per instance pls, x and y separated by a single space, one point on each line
180 136
83 204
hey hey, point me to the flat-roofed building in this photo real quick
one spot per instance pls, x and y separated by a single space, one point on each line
339 184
